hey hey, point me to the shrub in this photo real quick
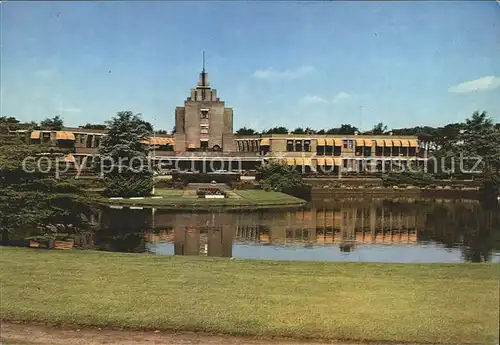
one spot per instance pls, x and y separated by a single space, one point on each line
407 178
282 178
128 185
244 185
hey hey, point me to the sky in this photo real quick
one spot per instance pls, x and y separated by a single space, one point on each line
292 64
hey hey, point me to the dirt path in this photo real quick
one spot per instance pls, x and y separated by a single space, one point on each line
27 334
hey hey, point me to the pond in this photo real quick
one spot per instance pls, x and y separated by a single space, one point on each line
375 230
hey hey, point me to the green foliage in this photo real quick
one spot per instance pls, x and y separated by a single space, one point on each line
94 126
299 130
246 131
32 203
125 156
242 185
55 123
481 138
128 185
490 188
343 129
276 130
407 178
274 176
379 128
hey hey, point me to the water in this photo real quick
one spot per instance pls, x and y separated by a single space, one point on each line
374 230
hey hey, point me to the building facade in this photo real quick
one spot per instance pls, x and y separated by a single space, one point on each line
204 132
204 123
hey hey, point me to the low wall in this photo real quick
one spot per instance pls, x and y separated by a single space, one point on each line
318 193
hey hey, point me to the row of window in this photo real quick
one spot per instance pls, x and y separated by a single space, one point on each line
247 146
298 145
367 151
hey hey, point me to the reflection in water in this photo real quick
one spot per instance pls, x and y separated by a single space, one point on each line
123 231
359 230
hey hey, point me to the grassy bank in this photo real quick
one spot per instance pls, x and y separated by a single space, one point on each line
187 199
437 303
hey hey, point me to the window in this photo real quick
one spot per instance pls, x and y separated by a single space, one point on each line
337 150
204 114
204 130
348 144
204 145
45 136
298 145
289 145
307 145
320 150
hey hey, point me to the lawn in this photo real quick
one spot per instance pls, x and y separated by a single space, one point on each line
431 303
175 199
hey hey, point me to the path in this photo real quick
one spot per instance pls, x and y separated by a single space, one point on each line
17 334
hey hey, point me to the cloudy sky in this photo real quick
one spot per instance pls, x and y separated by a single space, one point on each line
316 64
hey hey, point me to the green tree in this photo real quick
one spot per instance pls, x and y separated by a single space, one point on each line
347 129
55 123
480 138
34 202
299 130
124 162
94 126
275 176
379 129
277 130
343 129
246 131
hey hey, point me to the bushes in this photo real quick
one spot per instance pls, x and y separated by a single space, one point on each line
490 188
407 178
282 178
206 178
128 185
239 185
209 191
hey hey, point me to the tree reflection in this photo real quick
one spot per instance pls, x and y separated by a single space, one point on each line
123 230
472 227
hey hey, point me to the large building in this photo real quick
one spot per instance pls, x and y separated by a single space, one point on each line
203 123
204 133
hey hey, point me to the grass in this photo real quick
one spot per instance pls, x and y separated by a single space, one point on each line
431 303
237 199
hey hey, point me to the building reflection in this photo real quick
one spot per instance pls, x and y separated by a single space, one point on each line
194 234
345 224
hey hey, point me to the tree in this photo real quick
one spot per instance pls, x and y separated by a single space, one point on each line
277 130
347 129
246 131
36 203
124 160
378 129
174 129
321 131
298 130
94 126
279 177
343 129
480 138
55 123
